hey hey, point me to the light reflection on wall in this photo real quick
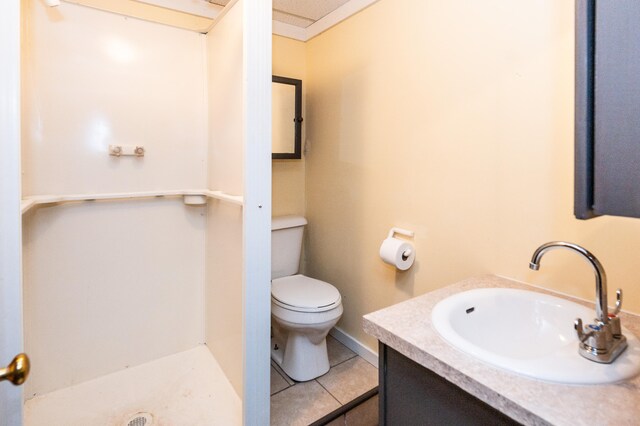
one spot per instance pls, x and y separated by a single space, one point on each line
98 134
119 50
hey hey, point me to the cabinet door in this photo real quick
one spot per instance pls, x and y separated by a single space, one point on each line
412 395
617 108
607 121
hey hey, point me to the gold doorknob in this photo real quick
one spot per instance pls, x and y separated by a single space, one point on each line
17 371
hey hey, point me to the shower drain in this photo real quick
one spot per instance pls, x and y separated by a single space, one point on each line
141 419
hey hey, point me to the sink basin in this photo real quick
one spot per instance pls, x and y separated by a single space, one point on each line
528 333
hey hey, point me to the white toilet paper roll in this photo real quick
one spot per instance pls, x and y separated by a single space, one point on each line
398 253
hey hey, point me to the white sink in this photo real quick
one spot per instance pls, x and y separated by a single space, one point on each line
528 333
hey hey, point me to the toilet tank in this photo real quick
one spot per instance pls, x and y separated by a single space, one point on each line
286 245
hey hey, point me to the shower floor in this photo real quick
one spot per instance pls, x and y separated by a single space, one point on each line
188 388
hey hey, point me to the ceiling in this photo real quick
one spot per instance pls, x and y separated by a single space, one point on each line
296 19
299 13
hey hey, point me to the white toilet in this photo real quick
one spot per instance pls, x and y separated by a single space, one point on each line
303 309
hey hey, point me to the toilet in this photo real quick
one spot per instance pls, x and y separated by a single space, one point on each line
303 309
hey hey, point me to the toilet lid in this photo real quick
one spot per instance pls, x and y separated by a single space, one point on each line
304 293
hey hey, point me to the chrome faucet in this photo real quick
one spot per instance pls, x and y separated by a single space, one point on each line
601 341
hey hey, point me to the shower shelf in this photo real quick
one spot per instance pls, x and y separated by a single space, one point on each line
30 202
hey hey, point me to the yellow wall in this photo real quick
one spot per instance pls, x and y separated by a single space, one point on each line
289 60
453 119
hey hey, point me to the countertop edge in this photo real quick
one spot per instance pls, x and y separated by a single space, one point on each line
444 370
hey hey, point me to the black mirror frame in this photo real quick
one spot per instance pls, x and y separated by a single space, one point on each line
297 154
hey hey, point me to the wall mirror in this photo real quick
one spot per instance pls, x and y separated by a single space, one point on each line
286 103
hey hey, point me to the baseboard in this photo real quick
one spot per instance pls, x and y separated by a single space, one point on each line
349 341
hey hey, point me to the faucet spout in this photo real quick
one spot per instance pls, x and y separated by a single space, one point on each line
602 313
603 341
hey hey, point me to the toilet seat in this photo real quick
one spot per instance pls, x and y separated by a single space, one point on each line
303 294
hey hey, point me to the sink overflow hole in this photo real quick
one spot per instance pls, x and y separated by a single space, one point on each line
470 310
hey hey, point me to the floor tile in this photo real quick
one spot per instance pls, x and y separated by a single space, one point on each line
350 379
282 373
337 351
365 414
301 404
278 383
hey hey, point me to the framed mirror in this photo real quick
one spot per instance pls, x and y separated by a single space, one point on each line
286 103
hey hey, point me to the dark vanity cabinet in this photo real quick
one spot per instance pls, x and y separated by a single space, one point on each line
411 394
607 163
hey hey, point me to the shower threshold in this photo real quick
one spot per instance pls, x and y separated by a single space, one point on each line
188 388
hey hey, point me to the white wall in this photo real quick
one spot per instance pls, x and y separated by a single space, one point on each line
92 79
110 284
223 289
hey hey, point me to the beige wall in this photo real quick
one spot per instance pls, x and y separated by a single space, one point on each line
288 184
453 119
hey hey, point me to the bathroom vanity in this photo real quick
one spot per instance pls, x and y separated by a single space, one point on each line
411 394
425 380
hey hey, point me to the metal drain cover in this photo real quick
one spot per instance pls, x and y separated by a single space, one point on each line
141 419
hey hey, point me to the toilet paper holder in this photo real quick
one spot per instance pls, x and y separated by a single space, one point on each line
400 231
407 253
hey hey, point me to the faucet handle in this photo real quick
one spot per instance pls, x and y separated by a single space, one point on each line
580 331
577 325
616 311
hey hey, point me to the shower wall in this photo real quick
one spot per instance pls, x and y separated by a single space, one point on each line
109 285
224 255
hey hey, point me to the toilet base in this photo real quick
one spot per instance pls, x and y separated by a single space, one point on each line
301 340
299 357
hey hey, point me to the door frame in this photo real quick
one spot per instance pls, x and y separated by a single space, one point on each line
11 338
257 30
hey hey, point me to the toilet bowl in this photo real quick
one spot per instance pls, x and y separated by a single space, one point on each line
303 309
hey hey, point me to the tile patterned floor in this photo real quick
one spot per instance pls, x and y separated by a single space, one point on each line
303 403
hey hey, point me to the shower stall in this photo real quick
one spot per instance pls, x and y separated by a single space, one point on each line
136 196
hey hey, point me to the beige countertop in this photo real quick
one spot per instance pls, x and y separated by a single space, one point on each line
407 328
